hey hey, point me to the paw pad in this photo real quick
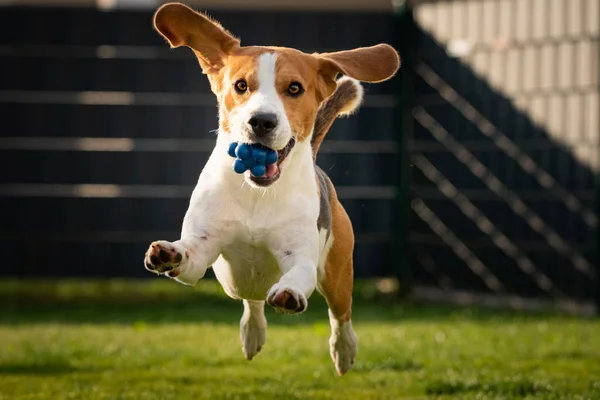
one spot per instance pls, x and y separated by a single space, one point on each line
287 301
161 257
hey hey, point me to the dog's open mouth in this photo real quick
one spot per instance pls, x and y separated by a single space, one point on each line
273 170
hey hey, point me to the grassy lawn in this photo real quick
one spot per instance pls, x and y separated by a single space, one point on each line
160 340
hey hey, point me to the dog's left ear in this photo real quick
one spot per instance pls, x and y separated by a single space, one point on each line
368 64
182 26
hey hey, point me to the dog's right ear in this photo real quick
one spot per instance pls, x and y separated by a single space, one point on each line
182 26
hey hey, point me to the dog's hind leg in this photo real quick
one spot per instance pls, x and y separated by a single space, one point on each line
253 328
335 283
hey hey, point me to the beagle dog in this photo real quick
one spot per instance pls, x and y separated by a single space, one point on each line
273 238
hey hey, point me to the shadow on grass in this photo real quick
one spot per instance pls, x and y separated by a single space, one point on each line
153 301
391 364
513 388
567 355
46 368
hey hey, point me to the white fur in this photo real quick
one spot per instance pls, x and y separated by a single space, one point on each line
352 106
253 328
325 244
343 344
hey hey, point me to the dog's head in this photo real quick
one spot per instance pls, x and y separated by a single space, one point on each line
268 95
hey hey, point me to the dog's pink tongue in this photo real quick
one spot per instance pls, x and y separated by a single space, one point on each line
271 170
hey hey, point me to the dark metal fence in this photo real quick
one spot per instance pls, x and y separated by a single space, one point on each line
105 130
503 149
492 188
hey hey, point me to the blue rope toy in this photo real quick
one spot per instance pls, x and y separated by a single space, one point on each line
253 157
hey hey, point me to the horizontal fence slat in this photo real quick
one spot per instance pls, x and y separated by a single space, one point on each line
64 78
39 258
32 214
151 121
100 191
126 98
145 236
171 145
161 168
50 26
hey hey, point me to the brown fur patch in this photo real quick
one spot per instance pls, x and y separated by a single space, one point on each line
338 279
369 64
182 26
241 64
295 66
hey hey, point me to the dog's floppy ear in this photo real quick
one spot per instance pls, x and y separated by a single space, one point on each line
182 26
368 64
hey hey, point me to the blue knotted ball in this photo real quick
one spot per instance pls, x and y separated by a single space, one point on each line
243 151
271 157
231 149
253 157
258 170
239 166
260 156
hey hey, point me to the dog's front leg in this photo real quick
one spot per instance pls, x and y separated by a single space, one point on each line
187 259
296 251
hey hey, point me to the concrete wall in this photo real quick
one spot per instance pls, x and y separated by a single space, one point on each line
543 54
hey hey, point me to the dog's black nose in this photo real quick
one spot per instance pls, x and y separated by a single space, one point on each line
263 123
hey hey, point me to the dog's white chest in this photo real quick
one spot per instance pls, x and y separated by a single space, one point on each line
258 229
247 269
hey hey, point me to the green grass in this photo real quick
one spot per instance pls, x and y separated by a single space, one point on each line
160 340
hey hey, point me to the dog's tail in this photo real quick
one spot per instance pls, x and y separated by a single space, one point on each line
343 102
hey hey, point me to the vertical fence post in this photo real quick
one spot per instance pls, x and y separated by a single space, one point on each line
405 42
596 253
597 240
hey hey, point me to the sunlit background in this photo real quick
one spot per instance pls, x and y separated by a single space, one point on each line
470 178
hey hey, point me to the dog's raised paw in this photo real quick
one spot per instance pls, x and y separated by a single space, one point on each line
162 257
286 300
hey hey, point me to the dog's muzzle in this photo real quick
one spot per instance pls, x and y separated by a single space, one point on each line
274 170
262 124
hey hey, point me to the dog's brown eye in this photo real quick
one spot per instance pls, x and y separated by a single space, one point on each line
241 86
295 89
